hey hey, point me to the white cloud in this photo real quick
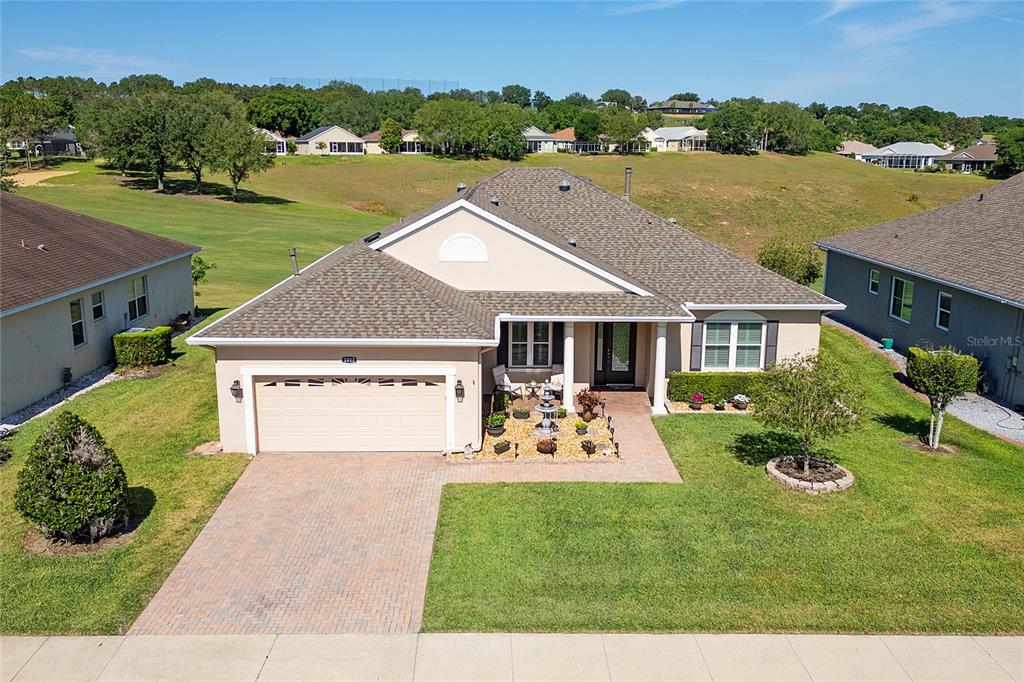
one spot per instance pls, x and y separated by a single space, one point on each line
99 63
638 7
926 16
837 7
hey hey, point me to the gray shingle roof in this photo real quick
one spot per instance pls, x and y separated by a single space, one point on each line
358 292
313 133
974 243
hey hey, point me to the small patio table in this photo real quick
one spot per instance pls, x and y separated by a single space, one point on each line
532 389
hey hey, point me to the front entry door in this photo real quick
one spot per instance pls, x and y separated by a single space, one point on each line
615 356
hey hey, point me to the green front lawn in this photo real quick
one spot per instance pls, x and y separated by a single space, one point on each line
151 424
921 543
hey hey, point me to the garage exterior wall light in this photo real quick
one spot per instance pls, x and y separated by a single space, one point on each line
236 391
460 391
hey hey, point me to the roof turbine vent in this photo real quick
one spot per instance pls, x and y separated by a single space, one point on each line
572 241
460 187
564 185
671 221
494 199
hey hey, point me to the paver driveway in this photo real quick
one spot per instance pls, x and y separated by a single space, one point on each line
336 543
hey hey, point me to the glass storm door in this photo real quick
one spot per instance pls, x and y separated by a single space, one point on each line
615 353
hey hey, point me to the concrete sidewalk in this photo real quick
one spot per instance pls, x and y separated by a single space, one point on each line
516 656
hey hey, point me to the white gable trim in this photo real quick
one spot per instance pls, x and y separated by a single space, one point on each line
766 306
462 204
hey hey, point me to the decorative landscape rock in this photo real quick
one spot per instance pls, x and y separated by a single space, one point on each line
833 476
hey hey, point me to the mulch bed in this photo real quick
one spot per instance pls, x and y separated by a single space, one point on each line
820 470
679 407
38 544
142 372
923 447
524 432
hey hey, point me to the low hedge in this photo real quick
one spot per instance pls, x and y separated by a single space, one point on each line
714 385
142 349
944 370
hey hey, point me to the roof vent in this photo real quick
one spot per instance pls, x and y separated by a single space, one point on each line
295 261
671 221
564 185
494 199
572 241
981 196
372 238
41 247
460 187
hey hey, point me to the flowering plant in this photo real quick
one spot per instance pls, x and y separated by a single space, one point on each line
740 398
697 397
587 400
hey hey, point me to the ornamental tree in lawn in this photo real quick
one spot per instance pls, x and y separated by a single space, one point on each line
943 376
239 151
391 136
72 484
808 395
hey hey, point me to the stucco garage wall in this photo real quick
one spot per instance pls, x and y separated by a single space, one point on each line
36 344
512 263
230 360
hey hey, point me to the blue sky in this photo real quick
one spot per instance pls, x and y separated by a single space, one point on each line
963 56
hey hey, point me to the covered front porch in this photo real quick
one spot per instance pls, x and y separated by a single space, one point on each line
574 354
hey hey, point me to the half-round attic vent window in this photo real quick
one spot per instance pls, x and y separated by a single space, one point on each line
462 247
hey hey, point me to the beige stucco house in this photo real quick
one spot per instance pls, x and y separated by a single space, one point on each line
329 141
389 343
410 143
68 283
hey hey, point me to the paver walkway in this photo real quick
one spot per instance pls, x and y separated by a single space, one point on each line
341 543
502 656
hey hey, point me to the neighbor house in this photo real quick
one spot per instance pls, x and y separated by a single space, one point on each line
410 143
69 283
329 141
855 149
676 139
56 143
565 139
277 141
539 141
677 107
392 342
977 157
952 276
914 155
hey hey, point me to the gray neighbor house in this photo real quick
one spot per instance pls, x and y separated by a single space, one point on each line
952 276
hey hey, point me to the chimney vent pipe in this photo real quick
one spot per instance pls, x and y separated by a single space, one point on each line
629 183
295 261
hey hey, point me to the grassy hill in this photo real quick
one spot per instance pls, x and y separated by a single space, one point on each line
316 203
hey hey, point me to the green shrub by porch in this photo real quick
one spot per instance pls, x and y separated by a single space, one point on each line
714 386
73 485
142 349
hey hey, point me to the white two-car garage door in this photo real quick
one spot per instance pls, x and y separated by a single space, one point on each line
350 414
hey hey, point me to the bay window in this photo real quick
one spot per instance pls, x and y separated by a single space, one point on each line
529 344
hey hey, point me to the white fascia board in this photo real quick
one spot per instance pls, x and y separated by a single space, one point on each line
354 369
460 204
336 341
98 283
930 278
766 306
595 318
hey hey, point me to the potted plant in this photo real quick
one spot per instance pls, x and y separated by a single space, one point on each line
502 446
696 400
561 413
581 427
495 424
521 412
720 405
589 447
546 446
587 402
740 401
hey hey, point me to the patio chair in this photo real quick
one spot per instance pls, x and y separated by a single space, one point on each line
556 381
502 384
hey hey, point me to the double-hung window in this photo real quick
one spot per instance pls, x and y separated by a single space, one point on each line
943 311
529 344
902 299
138 298
77 323
96 301
873 279
733 345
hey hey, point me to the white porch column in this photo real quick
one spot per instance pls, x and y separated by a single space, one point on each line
568 365
660 343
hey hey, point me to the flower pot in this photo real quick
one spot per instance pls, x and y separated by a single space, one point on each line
696 405
520 415
740 405
887 344
589 449
581 432
719 408
546 449
495 430
502 447
587 416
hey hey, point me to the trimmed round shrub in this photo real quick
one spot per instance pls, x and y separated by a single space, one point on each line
72 485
